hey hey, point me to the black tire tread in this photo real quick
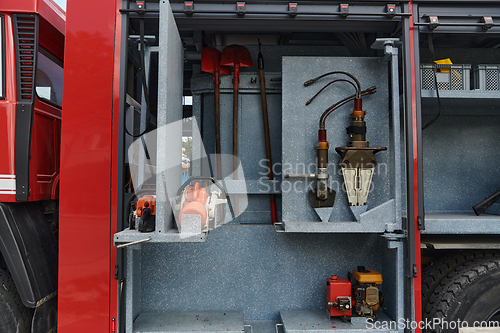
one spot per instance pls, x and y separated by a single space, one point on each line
7 283
446 293
433 274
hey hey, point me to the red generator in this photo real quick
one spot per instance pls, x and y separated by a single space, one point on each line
338 297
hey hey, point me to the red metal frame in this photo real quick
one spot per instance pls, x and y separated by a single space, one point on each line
88 189
417 288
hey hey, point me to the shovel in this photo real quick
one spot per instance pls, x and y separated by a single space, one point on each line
267 138
235 56
210 63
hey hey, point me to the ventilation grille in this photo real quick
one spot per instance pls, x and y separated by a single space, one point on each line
428 79
487 77
456 78
492 79
25 32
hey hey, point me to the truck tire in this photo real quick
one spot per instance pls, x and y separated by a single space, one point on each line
441 267
14 316
470 293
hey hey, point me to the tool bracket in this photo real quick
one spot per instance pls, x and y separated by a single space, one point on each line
188 8
344 10
292 9
433 22
488 22
390 10
241 8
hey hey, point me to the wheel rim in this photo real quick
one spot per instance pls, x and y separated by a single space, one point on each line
495 316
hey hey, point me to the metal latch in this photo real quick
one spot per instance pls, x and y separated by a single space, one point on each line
188 8
241 8
292 9
433 22
488 22
141 5
390 9
344 10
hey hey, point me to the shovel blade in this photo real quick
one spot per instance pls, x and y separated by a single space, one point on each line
210 61
236 55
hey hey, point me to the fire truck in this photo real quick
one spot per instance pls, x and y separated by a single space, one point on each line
250 166
31 83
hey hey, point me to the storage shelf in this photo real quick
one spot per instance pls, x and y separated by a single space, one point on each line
319 322
461 223
376 220
461 102
328 227
228 322
172 236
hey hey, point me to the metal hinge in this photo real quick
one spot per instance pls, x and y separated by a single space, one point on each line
420 222
415 270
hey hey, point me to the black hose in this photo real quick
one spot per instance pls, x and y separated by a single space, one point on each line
319 92
358 91
335 106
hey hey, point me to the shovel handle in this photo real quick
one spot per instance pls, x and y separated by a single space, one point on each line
217 125
267 137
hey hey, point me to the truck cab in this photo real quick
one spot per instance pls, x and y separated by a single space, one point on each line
31 79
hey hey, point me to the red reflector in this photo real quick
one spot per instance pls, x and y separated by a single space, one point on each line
241 5
113 325
293 6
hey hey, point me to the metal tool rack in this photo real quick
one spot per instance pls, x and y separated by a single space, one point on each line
250 276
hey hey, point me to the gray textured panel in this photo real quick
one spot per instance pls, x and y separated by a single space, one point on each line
229 322
461 103
465 223
460 162
300 128
169 147
393 275
252 269
319 322
132 292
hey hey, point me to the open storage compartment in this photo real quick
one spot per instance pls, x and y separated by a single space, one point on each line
249 275
460 152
